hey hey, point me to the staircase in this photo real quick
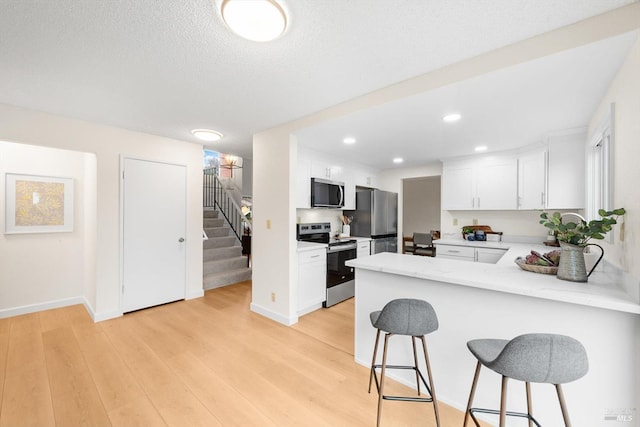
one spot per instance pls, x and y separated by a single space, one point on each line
224 263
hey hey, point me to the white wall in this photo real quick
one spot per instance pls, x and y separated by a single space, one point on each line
624 91
421 205
108 144
273 247
47 268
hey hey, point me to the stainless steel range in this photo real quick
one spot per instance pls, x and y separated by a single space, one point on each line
340 278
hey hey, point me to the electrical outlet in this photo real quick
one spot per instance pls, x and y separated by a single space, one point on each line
268 224
455 221
273 297
475 222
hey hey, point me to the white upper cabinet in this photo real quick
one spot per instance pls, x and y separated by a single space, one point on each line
457 187
321 168
566 176
497 186
365 177
483 183
312 164
551 176
532 180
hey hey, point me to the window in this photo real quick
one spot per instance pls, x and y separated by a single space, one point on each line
600 168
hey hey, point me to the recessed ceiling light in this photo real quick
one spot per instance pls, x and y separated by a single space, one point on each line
450 118
207 135
349 140
398 160
256 20
481 148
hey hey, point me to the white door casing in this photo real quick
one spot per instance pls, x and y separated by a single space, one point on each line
153 233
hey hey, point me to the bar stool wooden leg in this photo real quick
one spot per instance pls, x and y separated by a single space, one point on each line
503 402
472 393
529 407
373 361
563 408
415 363
381 390
433 387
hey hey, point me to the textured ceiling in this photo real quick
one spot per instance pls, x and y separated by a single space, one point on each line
165 67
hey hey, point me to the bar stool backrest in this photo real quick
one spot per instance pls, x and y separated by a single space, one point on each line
542 358
406 316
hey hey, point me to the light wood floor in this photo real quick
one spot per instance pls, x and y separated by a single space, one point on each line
203 362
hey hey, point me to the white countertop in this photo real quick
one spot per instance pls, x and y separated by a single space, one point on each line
600 291
310 246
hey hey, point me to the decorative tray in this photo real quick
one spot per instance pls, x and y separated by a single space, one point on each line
535 268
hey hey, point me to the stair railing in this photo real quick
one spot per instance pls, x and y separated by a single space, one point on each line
216 196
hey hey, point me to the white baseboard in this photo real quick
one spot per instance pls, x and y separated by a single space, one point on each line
65 302
47 305
99 317
287 321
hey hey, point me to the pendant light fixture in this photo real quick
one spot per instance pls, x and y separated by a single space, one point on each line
256 20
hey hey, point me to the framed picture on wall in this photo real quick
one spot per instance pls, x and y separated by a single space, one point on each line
38 204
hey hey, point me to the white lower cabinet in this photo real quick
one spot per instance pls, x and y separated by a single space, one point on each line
469 253
312 280
364 248
489 255
461 253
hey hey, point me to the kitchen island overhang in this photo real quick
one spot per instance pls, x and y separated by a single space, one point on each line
501 301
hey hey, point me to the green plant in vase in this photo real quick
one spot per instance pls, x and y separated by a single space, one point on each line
575 236
466 231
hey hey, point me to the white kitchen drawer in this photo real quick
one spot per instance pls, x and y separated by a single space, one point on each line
446 251
307 257
364 249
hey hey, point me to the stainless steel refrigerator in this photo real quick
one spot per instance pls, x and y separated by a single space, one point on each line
376 216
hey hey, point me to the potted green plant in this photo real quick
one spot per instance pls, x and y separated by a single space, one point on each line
466 231
575 236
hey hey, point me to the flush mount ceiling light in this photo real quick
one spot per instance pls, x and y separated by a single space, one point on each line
398 160
207 135
481 148
450 118
349 140
256 20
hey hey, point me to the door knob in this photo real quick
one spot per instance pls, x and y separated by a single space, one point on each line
181 239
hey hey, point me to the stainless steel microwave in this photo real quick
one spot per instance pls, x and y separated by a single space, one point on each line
326 194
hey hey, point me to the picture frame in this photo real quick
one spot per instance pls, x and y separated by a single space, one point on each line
38 204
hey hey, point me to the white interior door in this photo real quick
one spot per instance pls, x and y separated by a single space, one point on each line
154 230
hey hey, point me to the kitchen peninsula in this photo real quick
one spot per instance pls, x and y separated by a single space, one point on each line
477 300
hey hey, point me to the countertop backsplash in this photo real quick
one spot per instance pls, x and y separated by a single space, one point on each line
321 215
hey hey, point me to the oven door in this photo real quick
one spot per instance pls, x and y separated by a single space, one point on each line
337 272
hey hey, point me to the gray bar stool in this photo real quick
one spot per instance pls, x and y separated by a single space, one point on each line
410 317
532 358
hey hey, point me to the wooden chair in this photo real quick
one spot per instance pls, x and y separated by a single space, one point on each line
423 244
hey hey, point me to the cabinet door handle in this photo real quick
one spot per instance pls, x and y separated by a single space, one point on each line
542 198
478 202
473 202
314 256
453 252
